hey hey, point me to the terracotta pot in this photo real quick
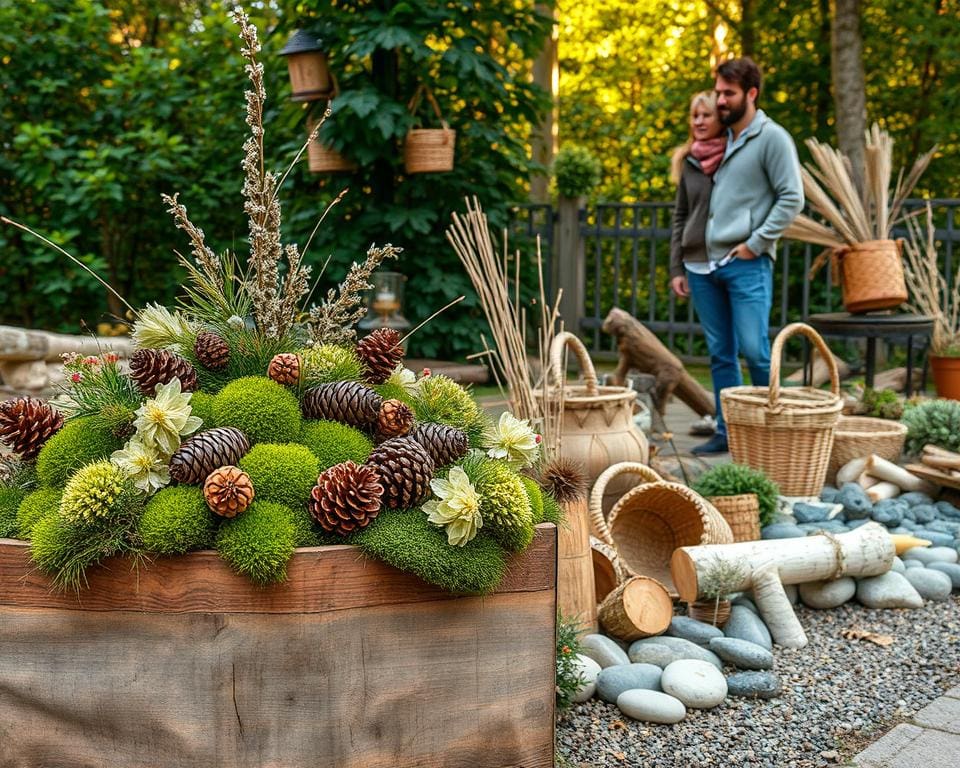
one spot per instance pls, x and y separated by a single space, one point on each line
946 376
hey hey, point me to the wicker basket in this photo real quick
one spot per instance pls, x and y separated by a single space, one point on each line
608 568
706 610
859 436
323 159
871 275
787 433
742 513
653 519
428 150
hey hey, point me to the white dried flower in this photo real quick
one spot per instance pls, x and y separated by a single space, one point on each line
144 464
513 440
456 508
166 418
159 328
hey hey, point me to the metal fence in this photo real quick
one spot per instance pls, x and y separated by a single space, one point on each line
627 254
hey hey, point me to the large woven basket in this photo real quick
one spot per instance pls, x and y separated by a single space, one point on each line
859 436
652 519
428 150
742 513
871 275
787 433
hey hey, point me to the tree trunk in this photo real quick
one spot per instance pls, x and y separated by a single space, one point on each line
849 90
546 75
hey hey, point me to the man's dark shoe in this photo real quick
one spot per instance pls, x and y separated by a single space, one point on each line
716 444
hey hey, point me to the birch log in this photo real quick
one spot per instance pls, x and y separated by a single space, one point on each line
886 470
639 607
866 551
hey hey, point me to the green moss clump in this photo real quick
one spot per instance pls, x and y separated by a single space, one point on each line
535 495
408 541
306 533
504 505
258 543
333 443
99 492
177 520
552 510
281 473
441 400
734 479
81 441
327 362
201 406
10 500
260 408
35 506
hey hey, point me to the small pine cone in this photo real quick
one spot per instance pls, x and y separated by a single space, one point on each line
405 470
149 367
199 455
380 353
346 497
348 402
26 423
285 369
395 419
228 491
212 351
444 444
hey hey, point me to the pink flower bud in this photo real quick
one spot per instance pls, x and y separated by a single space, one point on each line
539 439
426 372
91 361
76 378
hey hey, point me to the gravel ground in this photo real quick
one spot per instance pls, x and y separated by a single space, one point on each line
838 696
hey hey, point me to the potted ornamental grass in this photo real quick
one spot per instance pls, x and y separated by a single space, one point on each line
745 497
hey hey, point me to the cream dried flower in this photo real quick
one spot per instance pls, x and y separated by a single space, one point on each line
159 328
144 464
514 441
456 508
166 418
404 377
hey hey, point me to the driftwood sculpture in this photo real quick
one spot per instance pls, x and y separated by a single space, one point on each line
769 565
641 350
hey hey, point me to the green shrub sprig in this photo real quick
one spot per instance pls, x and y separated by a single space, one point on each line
734 479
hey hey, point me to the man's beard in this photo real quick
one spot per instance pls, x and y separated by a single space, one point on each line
732 115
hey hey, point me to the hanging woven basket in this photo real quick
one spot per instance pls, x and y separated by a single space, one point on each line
428 150
324 159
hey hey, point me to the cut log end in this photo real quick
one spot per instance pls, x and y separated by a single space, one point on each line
684 573
640 607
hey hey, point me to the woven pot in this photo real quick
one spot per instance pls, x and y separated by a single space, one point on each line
742 513
859 436
652 519
706 610
787 433
871 275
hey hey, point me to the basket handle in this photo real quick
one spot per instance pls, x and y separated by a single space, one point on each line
775 354
567 339
424 90
596 495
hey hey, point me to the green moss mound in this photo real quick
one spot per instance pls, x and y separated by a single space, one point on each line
258 543
504 504
201 405
552 510
327 362
10 500
407 540
332 442
734 479
99 493
177 520
35 506
535 495
441 400
81 441
260 408
281 473
306 534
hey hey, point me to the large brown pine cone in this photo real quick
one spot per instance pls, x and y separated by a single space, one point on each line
26 423
405 470
395 419
348 402
380 353
149 367
444 444
285 369
199 455
228 491
346 497
212 351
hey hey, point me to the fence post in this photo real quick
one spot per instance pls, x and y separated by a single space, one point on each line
569 262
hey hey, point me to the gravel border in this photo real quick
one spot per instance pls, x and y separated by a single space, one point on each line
838 695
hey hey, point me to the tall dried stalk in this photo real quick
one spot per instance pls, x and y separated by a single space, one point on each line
471 239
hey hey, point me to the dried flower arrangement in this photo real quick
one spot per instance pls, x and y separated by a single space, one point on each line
243 427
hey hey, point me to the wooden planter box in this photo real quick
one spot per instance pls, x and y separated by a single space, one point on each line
349 663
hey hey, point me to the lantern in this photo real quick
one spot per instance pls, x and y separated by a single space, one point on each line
309 74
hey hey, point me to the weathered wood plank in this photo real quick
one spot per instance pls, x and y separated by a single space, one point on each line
319 579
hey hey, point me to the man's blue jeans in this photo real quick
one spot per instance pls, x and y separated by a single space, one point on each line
733 303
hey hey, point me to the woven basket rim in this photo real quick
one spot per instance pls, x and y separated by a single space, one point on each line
882 427
790 397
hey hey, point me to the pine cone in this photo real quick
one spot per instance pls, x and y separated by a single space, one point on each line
199 455
405 470
285 369
212 351
444 444
348 402
26 423
395 419
380 353
228 491
346 497
149 367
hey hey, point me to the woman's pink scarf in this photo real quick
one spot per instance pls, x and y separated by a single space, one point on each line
709 152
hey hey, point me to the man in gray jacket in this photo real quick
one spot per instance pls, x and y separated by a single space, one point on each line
757 192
